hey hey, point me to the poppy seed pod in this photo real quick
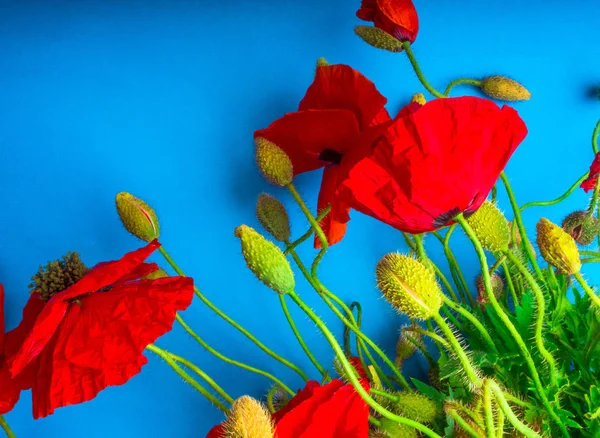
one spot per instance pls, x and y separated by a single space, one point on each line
490 227
273 216
581 226
497 287
266 260
405 347
378 38
557 247
137 217
502 88
391 429
417 407
409 286
419 98
248 418
159 273
273 162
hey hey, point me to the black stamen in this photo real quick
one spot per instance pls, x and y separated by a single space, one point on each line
331 156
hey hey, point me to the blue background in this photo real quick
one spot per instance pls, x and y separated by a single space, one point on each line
160 98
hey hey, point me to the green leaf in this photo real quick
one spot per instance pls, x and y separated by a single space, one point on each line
525 312
429 391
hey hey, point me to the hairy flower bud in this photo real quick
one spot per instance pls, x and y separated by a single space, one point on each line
266 260
497 287
417 407
557 247
273 217
406 347
490 227
581 226
273 162
248 418
137 217
409 286
391 429
419 98
378 38
502 88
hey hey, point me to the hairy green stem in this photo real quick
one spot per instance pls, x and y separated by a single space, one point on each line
461 81
463 424
488 410
561 198
510 415
509 282
417 69
595 135
6 428
473 320
588 290
309 232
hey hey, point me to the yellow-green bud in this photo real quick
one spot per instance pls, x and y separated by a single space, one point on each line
409 286
497 287
417 407
248 418
273 217
581 226
378 38
391 429
159 273
322 62
490 227
557 247
502 88
273 162
419 98
405 347
137 217
266 260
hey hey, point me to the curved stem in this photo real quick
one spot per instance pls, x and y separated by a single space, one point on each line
455 266
417 69
299 337
310 232
595 137
226 359
6 428
488 410
463 424
510 415
473 320
561 198
500 428
431 334
189 379
223 315
214 385
350 372
509 325
540 314
360 345
509 282
588 290
462 81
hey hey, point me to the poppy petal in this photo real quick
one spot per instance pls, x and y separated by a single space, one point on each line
216 432
333 229
399 18
1 319
590 182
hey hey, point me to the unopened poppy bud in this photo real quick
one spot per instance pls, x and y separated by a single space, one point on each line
248 418
409 286
497 287
502 88
322 62
266 260
159 273
581 226
378 38
407 344
273 162
137 217
557 247
490 227
273 217
391 429
434 377
419 98
417 407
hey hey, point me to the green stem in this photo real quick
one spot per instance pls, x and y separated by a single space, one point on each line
299 337
510 415
588 290
511 286
456 267
350 372
202 375
222 314
226 359
6 428
434 336
417 69
189 379
509 325
461 81
488 410
473 320
594 201
360 344
595 137
310 232
518 401
561 198
500 428
463 424
540 314
423 350
385 394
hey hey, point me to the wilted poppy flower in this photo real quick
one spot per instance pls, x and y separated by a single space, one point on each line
339 104
92 334
396 17
592 179
431 163
334 410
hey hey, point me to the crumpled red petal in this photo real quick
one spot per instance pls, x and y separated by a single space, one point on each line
333 229
590 182
397 17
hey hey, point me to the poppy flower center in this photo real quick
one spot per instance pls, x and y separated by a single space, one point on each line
58 275
331 156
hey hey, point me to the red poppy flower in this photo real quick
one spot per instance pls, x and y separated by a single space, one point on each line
397 17
339 104
334 410
592 179
433 162
92 334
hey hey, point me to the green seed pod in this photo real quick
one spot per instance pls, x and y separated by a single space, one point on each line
391 429
378 38
409 286
557 247
137 217
502 88
159 273
417 407
405 347
581 227
266 260
273 217
490 227
497 287
273 162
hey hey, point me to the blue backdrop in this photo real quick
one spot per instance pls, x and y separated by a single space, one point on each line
160 98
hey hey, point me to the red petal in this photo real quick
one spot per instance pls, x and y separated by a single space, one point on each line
1 319
399 18
304 135
341 87
590 182
334 230
368 10
9 391
216 432
302 395
101 342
